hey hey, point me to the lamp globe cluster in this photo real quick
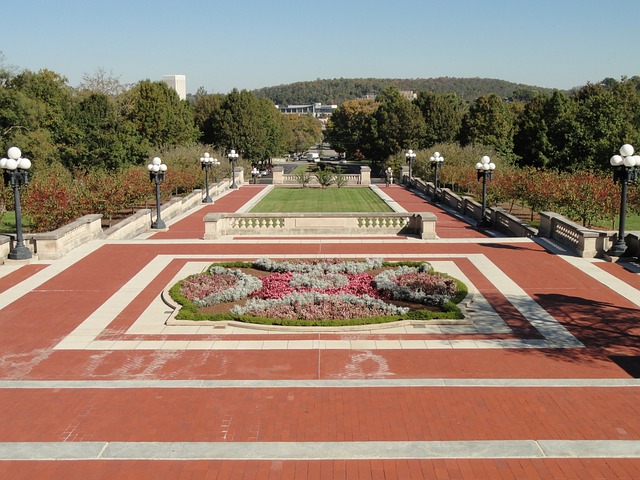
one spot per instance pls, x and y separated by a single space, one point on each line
15 160
626 157
156 166
485 164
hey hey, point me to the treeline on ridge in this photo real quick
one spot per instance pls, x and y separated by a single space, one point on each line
336 91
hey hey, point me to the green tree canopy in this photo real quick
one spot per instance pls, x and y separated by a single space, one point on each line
348 128
204 105
489 121
395 125
158 114
442 113
300 132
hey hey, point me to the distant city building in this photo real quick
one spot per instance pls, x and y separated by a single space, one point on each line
319 111
408 94
178 83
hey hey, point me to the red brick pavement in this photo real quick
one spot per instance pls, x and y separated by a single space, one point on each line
448 469
192 226
602 319
327 414
447 226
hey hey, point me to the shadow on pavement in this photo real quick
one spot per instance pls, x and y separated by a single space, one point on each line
598 325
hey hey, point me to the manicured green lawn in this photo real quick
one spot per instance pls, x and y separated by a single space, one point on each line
307 200
8 223
631 223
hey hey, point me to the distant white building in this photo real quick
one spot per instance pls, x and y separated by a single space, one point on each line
178 83
319 111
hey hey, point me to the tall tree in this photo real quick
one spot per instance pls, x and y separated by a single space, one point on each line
396 124
204 105
489 121
102 82
442 113
246 124
348 127
599 128
101 138
158 114
531 143
274 129
34 112
300 132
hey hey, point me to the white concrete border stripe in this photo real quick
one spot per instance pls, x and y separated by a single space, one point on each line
549 327
473 449
347 383
605 278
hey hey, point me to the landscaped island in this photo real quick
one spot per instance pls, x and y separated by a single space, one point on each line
319 292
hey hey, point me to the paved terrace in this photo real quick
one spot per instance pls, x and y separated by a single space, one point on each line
93 384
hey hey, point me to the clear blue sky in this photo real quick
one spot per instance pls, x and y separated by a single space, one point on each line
247 44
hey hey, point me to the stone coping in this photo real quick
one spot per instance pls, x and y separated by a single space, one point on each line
302 329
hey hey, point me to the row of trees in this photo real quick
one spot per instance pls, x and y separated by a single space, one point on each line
560 131
588 197
104 124
338 90
89 145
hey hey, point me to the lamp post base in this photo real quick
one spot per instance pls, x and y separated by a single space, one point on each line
19 252
483 224
618 249
234 187
207 199
158 225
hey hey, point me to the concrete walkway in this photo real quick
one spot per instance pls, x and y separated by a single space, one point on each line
541 383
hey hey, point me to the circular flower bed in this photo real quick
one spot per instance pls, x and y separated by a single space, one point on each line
317 291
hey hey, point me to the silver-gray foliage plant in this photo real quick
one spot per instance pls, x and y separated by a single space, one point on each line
246 285
316 297
386 281
320 267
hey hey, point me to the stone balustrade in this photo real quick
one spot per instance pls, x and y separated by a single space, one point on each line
280 178
586 242
421 225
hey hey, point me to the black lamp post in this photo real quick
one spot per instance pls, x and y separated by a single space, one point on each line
436 163
484 169
233 158
157 170
207 161
410 156
16 173
625 171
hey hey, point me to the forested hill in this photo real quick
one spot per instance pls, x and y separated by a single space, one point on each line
336 91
